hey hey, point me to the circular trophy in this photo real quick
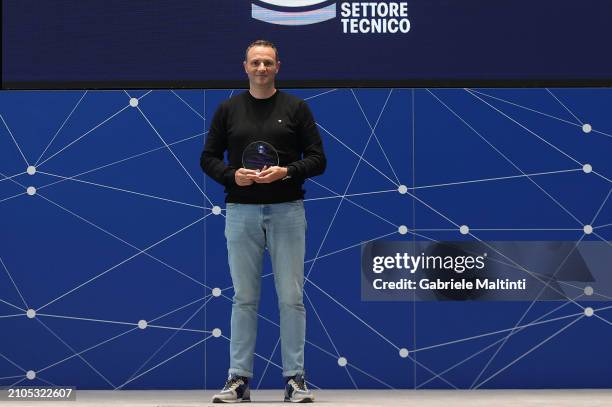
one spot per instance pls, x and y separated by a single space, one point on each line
259 154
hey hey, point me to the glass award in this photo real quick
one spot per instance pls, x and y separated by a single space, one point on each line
258 155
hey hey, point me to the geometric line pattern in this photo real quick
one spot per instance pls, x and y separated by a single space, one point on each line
113 259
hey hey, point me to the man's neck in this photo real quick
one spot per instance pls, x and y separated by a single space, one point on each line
262 93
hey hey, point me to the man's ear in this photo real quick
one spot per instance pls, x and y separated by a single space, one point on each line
278 63
244 65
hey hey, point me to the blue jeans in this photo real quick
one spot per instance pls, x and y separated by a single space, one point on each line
249 230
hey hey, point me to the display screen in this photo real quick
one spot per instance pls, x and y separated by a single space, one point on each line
201 43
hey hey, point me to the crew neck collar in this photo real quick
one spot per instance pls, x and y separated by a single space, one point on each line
264 99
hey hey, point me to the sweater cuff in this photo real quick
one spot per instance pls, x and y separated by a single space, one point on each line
291 170
230 178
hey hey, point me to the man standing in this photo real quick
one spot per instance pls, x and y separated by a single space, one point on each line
264 209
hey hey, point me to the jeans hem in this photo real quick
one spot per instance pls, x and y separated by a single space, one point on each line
290 373
240 372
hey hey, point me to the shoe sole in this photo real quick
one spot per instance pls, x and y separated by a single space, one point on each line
231 401
306 400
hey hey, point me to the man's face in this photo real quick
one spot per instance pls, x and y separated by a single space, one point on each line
261 66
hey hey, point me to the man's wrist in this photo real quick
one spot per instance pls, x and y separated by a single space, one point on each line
290 170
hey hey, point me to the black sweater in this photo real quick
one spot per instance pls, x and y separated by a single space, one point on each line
282 120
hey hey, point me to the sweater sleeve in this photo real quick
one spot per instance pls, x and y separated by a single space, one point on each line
313 160
211 160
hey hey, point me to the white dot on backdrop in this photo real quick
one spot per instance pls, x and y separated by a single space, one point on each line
216 332
402 230
31 170
586 128
31 191
464 230
31 313
403 352
587 168
342 361
216 210
588 290
588 229
216 292
588 311
133 102
142 324
31 374
402 189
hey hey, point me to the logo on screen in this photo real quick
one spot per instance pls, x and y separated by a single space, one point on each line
293 12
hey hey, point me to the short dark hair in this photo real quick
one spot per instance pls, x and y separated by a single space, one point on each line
261 43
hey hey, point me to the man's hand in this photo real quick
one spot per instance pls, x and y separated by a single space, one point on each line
242 177
268 175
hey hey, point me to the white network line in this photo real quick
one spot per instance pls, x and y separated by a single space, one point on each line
580 122
122 190
14 141
174 155
134 324
529 351
352 313
511 333
601 207
83 135
354 203
449 342
524 128
493 344
522 107
60 128
496 179
163 362
6 177
602 226
263 374
602 176
126 242
11 316
11 197
171 337
320 94
499 331
349 182
187 104
110 339
537 297
375 136
11 304
329 336
12 363
75 353
534 111
14 284
11 377
475 237
357 154
121 263
119 161
505 157
356 194
350 247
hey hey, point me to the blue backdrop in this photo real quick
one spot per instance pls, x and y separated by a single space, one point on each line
118 251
